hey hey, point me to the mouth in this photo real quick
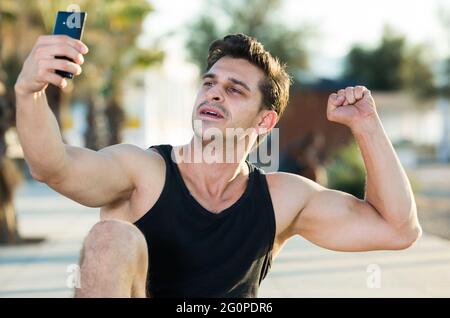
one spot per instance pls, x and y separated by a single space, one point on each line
211 113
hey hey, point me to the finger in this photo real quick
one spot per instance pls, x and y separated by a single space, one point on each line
341 92
349 95
61 65
334 101
54 79
64 65
359 90
367 93
338 100
367 96
59 39
62 49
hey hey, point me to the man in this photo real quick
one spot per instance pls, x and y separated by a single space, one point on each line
209 227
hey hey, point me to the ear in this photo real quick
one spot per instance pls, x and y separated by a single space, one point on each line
267 120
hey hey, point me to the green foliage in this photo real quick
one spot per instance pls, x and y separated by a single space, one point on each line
111 35
257 18
416 74
445 90
347 173
390 66
111 31
444 19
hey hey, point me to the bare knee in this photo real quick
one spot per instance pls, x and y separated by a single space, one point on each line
114 238
113 261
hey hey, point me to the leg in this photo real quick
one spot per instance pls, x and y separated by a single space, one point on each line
113 261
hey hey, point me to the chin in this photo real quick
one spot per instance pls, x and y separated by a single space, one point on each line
206 130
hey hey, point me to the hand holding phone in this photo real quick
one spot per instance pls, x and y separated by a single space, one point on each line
40 67
70 24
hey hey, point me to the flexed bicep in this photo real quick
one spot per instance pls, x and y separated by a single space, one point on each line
339 221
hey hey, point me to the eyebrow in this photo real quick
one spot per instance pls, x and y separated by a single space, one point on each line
231 79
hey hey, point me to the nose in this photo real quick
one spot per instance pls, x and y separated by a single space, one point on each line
214 94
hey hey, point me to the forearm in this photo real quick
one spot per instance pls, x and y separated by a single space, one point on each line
39 135
388 189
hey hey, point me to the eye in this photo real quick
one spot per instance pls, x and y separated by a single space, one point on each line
208 84
234 90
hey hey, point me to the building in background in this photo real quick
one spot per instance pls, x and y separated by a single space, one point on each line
416 128
159 103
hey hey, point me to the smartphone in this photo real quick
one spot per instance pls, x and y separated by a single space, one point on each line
70 23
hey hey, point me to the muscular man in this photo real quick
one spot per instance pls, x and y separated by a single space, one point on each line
209 228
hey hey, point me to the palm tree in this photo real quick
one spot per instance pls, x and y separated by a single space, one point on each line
114 59
9 175
111 34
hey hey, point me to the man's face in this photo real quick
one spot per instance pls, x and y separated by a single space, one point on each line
229 97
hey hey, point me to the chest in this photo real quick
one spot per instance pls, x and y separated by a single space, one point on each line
216 203
149 190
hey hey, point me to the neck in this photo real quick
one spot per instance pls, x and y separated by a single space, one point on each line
213 168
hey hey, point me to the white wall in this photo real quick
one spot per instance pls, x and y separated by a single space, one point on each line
163 103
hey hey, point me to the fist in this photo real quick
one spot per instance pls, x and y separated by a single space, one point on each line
351 106
39 67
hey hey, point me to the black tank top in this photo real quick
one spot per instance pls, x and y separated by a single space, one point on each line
196 253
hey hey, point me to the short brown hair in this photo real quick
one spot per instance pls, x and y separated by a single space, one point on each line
275 87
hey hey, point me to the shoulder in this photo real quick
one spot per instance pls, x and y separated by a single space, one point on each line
147 169
135 160
126 150
290 193
291 183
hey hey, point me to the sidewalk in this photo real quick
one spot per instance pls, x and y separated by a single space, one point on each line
301 270
39 270
304 270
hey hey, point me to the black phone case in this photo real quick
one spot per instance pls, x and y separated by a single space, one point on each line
71 24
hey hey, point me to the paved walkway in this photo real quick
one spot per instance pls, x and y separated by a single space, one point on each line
301 270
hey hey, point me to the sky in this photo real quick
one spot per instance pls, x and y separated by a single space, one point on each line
340 24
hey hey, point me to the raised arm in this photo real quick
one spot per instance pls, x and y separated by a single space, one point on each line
89 177
387 217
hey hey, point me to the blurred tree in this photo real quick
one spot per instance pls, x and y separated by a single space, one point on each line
110 32
11 28
379 68
416 74
444 18
346 172
445 89
391 66
257 18
9 178
114 60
